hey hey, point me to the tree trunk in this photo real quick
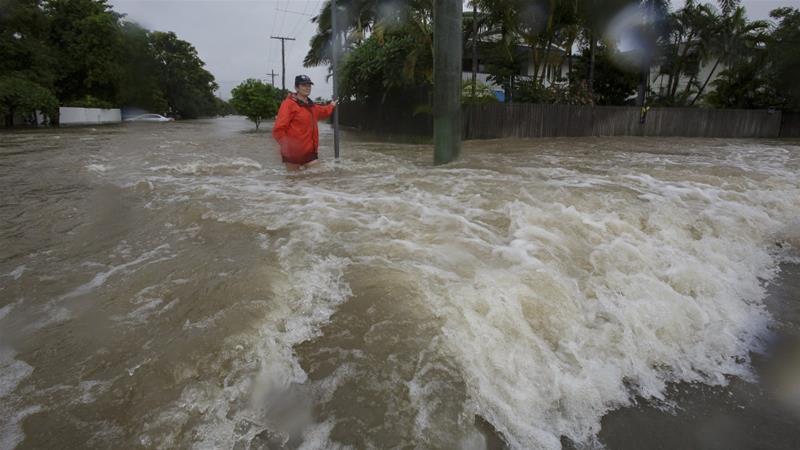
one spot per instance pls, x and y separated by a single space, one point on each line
674 63
679 66
549 44
703 87
590 83
644 79
535 54
9 119
474 48
544 61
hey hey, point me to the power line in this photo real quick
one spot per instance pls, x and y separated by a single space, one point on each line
294 12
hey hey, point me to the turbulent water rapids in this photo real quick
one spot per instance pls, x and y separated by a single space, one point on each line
170 286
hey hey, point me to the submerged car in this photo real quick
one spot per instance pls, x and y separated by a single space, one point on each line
149 118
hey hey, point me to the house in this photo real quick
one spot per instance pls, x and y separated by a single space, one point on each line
556 68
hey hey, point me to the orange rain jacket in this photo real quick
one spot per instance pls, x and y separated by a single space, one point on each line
296 129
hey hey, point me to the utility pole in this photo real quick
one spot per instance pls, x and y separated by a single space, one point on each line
283 55
334 61
272 76
447 54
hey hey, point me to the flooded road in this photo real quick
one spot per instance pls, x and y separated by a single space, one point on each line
170 286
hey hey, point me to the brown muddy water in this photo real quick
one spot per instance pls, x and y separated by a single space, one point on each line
170 286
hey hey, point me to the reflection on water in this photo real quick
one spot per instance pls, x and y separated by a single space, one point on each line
169 286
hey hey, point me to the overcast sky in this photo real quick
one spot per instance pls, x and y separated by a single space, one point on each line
233 36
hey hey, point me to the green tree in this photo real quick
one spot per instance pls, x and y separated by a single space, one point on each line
188 87
746 82
782 51
357 19
503 59
613 84
140 85
255 100
689 31
87 43
24 50
20 96
394 36
224 108
380 71
543 27
731 40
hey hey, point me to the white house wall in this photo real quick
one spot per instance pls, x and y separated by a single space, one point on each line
658 82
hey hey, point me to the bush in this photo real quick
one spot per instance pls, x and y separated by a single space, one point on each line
483 94
90 102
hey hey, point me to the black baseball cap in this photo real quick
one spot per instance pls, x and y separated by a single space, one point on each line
302 79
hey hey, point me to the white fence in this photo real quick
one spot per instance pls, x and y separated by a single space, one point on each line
88 116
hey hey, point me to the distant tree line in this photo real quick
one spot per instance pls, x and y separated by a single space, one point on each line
753 64
82 53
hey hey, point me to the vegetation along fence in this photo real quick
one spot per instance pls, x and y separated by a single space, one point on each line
529 120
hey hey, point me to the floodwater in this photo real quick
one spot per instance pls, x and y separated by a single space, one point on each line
170 286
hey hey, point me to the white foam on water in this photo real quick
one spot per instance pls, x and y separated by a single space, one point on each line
16 273
562 292
90 389
318 437
12 373
304 299
6 309
594 306
225 166
98 168
10 429
149 302
150 257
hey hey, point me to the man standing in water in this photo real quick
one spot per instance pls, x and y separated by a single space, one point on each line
296 126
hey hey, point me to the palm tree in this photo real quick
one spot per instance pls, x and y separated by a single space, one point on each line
356 19
684 41
730 40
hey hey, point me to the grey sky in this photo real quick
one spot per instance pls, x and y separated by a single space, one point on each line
233 36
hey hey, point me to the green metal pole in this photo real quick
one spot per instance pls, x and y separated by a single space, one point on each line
335 59
447 54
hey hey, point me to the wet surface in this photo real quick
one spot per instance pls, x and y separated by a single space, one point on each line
170 286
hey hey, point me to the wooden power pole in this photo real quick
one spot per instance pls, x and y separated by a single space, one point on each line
283 56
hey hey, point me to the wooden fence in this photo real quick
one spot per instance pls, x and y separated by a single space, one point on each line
529 120
385 120
790 125
522 120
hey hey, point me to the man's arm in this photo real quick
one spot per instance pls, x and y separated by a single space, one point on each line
282 122
325 111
